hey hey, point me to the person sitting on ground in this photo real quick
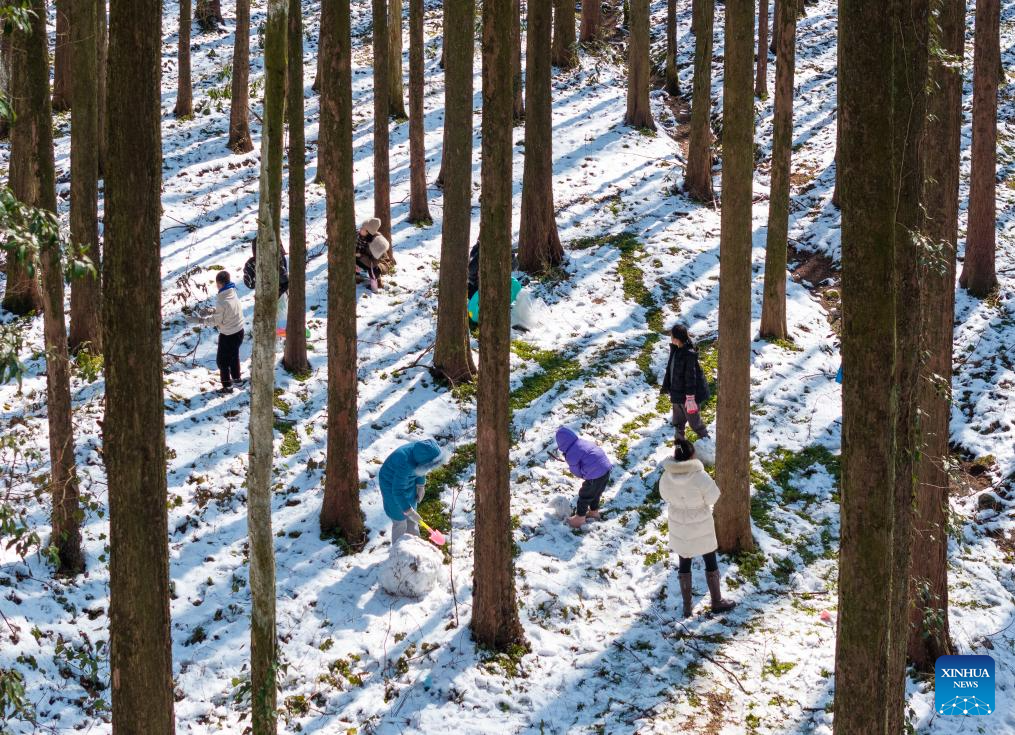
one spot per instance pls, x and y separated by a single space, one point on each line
588 462
402 479
371 247
690 494
685 381
227 317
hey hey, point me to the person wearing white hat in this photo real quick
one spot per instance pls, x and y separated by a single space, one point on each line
371 247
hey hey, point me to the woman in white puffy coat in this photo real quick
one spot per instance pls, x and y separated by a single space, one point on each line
690 494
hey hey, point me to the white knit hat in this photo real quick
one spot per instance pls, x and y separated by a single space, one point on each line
372 225
379 246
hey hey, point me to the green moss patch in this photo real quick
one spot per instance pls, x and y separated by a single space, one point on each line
432 509
556 368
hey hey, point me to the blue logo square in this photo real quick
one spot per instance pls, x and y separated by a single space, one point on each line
964 685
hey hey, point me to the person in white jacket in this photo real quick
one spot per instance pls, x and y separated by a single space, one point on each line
690 494
227 317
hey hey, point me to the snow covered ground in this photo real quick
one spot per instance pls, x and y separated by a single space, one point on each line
608 651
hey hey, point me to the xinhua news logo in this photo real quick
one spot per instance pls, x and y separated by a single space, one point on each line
964 685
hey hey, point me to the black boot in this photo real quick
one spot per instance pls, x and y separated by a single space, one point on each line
718 603
685 593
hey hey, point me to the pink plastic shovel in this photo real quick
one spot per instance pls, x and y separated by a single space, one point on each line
436 537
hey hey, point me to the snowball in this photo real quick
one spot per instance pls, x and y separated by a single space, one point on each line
411 569
704 449
560 506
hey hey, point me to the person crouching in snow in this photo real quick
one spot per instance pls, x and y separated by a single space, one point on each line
685 381
402 480
690 494
227 317
371 247
588 462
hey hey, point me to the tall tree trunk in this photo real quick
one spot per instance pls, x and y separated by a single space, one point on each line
883 82
639 114
564 46
239 105
37 118
294 358
979 276
209 14
263 642
929 635
134 437
518 112
495 621
592 20
909 72
62 58
773 307
340 511
452 352
672 79
396 101
184 90
382 164
761 80
419 209
22 294
539 247
102 74
733 429
86 291
698 175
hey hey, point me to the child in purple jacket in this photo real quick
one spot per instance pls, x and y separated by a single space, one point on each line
588 462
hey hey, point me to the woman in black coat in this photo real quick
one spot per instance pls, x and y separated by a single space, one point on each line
685 382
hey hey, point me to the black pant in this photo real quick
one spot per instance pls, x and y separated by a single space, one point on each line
369 265
711 563
590 493
228 357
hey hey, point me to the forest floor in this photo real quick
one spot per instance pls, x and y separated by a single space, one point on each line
609 653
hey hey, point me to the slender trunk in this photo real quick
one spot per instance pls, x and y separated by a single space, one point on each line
22 294
340 511
761 80
184 90
495 621
263 641
102 72
564 46
539 247
733 430
452 352
62 57
672 80
239 106
134 437
909 72
639 114
294 358
592 21
382 164
86 291
929 635
209 14
36 119
773 307
698 175
979 276
419 209
396 101
518 112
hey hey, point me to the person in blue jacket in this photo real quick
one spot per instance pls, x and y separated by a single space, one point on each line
402 479
587 461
